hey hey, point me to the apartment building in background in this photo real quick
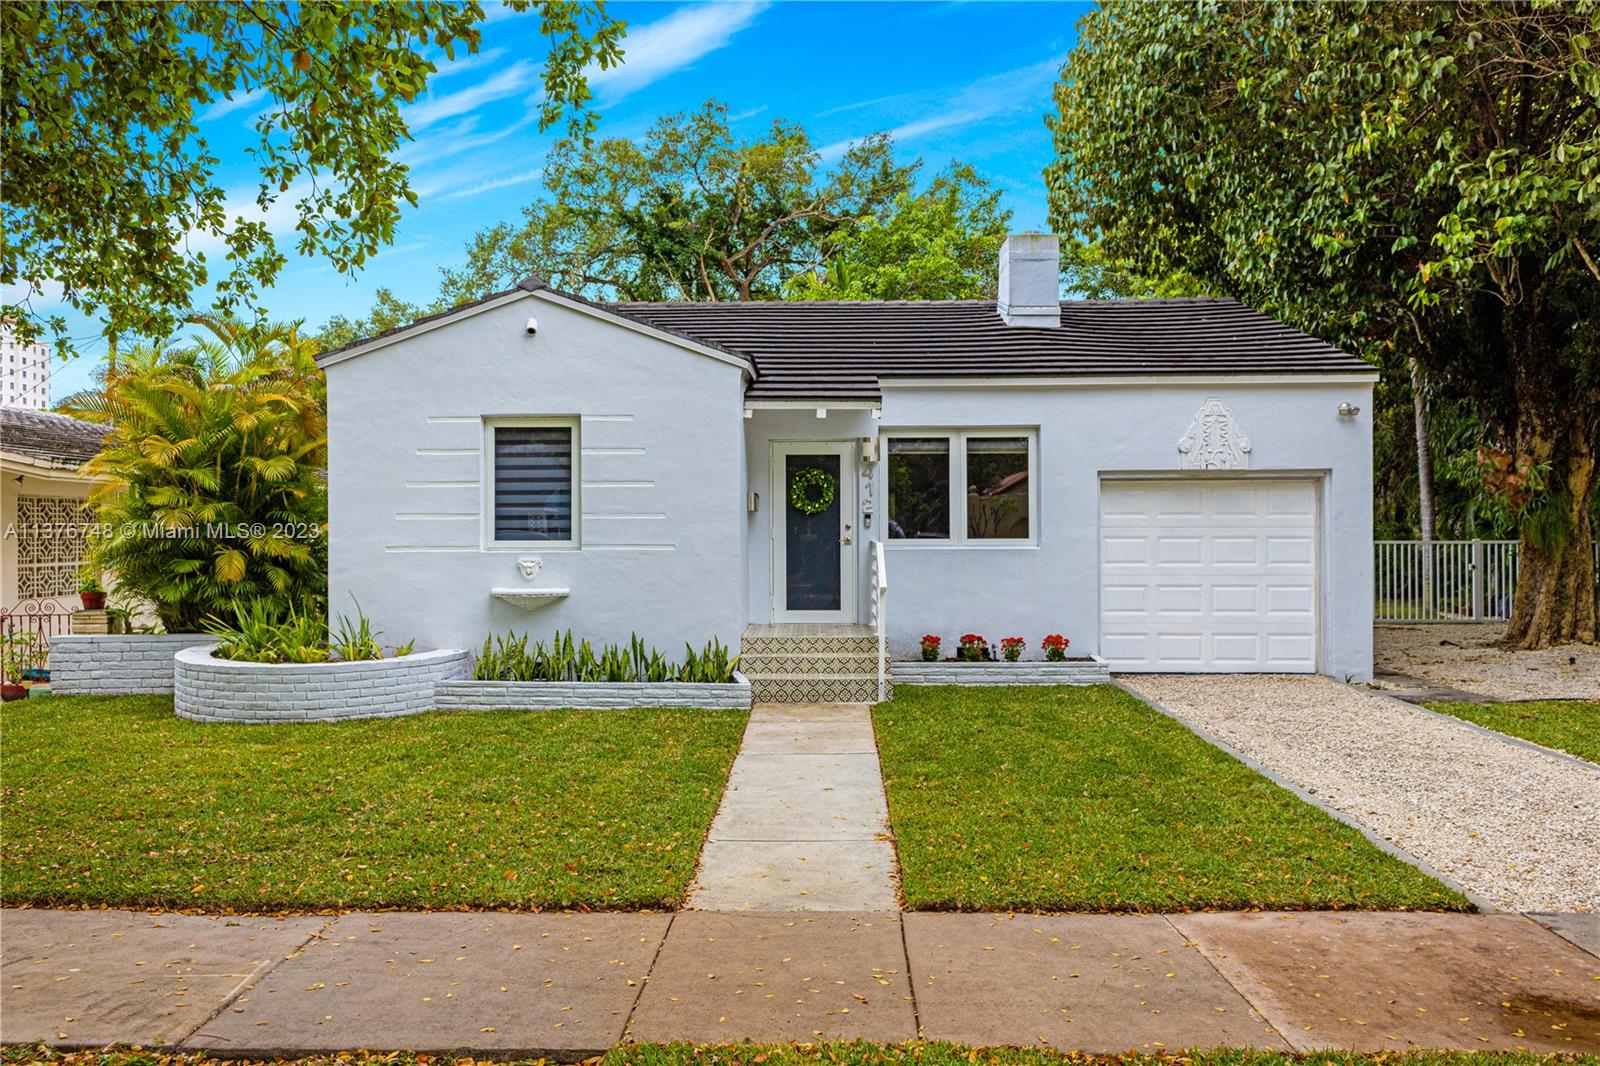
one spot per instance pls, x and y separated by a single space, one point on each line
24 372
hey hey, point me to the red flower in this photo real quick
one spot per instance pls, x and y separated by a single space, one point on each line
1013 642
972 638
930 641
1055 640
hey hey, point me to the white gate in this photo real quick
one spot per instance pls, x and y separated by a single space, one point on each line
1446 581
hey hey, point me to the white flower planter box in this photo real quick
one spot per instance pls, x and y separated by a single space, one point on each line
589 695
1030 672
208 689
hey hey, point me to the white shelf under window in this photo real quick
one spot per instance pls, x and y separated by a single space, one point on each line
528 599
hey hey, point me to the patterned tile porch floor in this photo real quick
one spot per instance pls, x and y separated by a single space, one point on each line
804 824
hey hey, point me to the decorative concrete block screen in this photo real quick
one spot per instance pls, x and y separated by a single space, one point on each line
120 664
220 690
598 695
1094 672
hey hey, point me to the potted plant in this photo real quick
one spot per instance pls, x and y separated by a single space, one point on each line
92 592
1055 647
930 648
17 656
1011 648
973 648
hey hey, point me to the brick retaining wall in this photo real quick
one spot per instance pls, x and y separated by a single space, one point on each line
221 690
603 695
1032 672
120 664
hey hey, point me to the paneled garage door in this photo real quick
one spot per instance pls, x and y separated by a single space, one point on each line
1211 576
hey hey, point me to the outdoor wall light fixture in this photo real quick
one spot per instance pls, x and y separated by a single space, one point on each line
1348 410
532 327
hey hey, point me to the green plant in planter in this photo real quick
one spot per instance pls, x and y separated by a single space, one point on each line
90 582
257 636
18 655
930 648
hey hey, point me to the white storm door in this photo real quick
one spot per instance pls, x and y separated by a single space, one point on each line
1209 576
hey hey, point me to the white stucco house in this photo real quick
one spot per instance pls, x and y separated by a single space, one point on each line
1175 485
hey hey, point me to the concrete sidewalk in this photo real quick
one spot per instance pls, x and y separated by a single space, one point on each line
571 985
803 825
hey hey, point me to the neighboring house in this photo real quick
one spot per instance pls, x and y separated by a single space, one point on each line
42 515
1176 485
24 372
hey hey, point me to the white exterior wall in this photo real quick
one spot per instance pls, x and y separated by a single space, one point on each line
1087 432
24 372
661 470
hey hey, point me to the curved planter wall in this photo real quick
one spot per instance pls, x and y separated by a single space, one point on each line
589 695
206 689
1002 673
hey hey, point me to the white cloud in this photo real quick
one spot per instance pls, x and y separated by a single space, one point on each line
1008 91
521 178
514 80
668 45
239 102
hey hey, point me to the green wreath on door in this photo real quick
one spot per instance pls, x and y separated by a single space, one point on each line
811 490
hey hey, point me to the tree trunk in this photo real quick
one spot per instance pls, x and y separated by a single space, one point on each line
1556 597
1419 420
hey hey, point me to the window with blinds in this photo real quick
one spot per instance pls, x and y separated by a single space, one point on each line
533 483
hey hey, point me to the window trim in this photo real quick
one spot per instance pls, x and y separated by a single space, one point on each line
958 438
486 512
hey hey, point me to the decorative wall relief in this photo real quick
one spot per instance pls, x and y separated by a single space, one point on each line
529 568
1214 440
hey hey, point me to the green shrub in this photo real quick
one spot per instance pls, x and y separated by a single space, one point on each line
258 635
508 657
209 487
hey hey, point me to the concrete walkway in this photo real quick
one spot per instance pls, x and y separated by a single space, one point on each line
569 986
804 825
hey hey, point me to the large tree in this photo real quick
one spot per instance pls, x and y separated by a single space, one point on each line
691 211
1411 181
110 191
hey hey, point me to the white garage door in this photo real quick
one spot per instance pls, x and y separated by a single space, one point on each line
1210 576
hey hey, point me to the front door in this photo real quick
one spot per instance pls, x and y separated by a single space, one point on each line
814 531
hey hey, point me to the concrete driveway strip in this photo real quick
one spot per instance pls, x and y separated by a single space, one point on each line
1376 982
1097 983
804 824
724 978
1515 826
547 985
91 978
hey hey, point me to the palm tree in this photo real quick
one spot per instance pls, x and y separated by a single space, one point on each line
210 488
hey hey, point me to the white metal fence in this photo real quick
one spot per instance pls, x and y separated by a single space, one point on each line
1446 581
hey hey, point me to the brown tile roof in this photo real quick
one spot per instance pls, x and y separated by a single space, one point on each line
839 350
54 438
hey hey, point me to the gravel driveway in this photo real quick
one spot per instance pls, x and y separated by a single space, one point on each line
1519 828
1468 657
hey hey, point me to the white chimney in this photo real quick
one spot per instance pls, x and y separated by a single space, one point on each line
1030 280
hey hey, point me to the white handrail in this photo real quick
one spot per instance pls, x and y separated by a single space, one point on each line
880 613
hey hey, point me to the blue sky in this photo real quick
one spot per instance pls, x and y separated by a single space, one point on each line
967 81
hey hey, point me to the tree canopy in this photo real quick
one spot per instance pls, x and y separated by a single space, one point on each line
1410 181
691 211
111 193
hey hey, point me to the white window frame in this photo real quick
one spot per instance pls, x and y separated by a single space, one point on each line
571 423
958 487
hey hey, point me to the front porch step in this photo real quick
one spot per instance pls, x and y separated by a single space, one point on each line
810 664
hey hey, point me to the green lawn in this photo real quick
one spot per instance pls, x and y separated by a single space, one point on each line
116 801
835 1054
1573 726
1086 799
